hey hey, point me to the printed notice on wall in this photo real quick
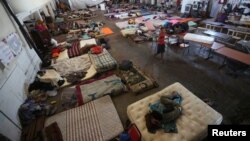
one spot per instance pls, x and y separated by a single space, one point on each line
14 43
6 56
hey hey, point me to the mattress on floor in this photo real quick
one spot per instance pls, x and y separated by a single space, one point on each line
103 61
125 24
72 65
62 56
156 22
95 121
121 15
128 31
93 89
85 45
91 72
87 42
50 76
199 38
192 124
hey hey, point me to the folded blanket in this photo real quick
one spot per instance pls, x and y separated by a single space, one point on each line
74 50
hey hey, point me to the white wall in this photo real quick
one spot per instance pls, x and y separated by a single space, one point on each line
13 78
19 6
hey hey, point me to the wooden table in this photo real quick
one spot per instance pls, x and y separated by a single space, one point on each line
214 47
234 54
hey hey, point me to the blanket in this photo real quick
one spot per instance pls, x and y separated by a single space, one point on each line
103 61
94 89
74 50
136 81
106 31
77 64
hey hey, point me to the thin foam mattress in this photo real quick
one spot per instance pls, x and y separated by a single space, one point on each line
95 121
199 38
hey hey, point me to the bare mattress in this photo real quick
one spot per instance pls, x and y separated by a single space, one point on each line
192 124
95 121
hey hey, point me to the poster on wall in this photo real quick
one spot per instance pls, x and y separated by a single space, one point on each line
6 55
14 43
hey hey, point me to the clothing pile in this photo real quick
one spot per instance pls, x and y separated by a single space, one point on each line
164 113
32 109
75 77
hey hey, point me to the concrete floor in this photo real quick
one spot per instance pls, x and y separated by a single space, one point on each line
202 77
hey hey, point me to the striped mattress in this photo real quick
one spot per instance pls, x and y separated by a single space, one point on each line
95 121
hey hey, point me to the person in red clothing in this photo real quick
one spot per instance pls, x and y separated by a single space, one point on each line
161 43
178 4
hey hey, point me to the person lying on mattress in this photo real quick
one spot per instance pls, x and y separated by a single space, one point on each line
163 114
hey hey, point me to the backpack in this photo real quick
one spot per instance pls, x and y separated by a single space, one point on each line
126 65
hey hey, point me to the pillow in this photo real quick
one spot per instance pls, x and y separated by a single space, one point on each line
86 48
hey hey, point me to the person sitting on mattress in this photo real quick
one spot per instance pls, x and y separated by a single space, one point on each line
161 43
